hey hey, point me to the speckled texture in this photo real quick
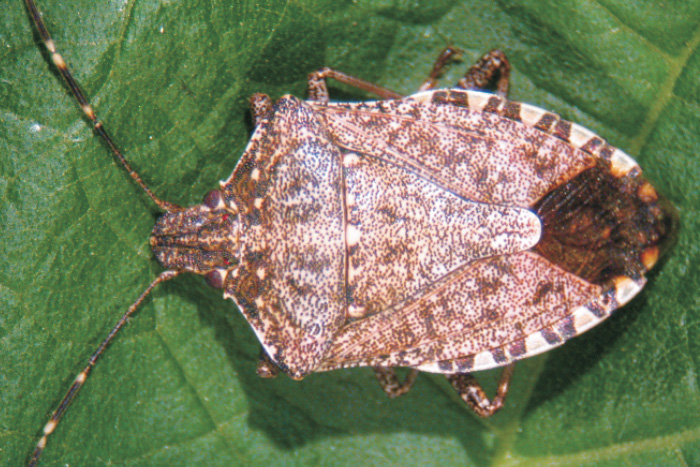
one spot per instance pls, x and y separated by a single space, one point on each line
449 231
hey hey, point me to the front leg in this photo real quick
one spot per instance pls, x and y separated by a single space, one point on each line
318 90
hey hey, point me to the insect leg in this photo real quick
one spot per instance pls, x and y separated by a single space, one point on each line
449 54
87 109
318 90
472 393
389 381
266 367
493 69
82 377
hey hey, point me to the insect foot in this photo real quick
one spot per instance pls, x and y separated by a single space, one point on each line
449 231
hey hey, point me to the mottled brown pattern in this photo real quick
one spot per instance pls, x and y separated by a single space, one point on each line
593 145
552 337
459 99
478 156
398 337
196 239
546 122
463 364
499 356
566 328
422 257
406 246
511 110
493 105
517 349
402 233
605 152
601 307
562 130
290 284
442 97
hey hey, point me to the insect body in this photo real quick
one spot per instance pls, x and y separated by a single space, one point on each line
448 231
440 232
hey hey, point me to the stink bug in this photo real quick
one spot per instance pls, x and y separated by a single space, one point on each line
449 231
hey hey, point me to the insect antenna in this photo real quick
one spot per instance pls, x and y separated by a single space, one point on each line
82 376
87 109
75 89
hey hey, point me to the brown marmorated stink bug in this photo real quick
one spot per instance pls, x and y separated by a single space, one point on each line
449 231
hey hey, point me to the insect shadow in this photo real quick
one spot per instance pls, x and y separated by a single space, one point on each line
341 403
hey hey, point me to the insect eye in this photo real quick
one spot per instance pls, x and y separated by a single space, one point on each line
213 199
215 279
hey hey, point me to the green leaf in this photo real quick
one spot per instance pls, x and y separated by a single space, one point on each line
171 82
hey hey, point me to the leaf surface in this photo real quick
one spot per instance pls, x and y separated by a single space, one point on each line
171 82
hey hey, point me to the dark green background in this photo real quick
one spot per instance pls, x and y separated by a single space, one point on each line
171 81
